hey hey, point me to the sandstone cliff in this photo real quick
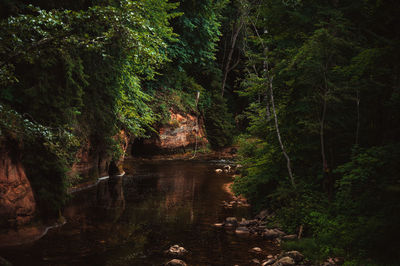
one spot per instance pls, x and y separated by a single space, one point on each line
93 163
17 203
181 133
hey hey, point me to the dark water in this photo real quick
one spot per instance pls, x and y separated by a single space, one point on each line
131 220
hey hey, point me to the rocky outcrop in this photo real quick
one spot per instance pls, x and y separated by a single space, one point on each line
90 162
176 251
182 133
17 203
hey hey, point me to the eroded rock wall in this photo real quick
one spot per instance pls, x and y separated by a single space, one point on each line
90 162
17 203
182 132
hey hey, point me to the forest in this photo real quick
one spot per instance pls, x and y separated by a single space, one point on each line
307 90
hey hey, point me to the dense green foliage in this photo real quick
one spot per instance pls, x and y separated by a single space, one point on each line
334 70
77 71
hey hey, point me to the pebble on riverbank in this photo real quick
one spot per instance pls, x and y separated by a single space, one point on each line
236 202
229 169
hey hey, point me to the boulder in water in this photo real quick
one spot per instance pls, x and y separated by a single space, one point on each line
256 250
176 251
232 221
242 231
218 225
176 262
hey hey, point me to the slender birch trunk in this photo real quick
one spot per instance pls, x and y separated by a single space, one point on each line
358 116
288 163
321 134
228 68
325 168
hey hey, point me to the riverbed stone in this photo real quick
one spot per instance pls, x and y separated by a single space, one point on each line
270 234
227 168
244 222
260 229
231 221
280 232
289 237
176 251
253 222
285 261
262 215
242 231
176 262
268 262
255 262
295 255
256 250
218 225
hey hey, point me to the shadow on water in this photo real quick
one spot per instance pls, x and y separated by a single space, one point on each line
131 220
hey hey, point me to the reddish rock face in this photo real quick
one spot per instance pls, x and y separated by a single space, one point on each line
182 131
17 203
90 163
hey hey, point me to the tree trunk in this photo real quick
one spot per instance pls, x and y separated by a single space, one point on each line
288 164
229 59
321 134
327 177
358 116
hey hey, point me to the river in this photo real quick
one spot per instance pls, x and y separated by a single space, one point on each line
131 220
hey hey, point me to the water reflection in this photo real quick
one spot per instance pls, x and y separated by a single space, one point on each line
110 196
131 220
179 193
